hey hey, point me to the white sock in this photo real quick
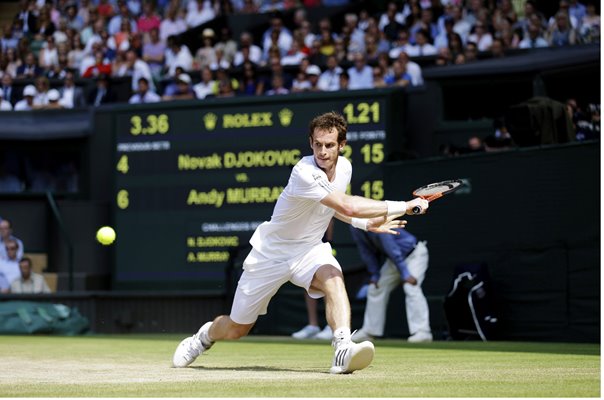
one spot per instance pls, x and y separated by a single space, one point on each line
204 334
342 333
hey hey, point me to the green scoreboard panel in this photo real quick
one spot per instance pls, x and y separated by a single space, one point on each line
193 181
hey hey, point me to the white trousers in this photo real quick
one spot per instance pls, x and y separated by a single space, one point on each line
416 305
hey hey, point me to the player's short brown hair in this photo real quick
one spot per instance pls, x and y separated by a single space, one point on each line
328 121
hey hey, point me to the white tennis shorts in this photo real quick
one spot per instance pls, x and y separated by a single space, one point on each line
262 277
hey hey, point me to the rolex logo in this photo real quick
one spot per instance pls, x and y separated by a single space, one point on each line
285 116
209 120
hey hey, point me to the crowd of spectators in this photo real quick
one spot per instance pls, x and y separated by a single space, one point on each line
68 40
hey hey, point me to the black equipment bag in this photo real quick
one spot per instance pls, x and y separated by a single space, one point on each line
468 305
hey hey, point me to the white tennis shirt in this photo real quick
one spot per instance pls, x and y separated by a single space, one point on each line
299 220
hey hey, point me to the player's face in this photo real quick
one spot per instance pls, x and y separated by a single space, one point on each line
325 148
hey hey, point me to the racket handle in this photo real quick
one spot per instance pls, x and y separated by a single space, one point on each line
416 210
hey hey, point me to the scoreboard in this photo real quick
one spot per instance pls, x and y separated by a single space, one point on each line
193 180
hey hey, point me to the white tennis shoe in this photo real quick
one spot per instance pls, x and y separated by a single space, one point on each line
191 348
350 356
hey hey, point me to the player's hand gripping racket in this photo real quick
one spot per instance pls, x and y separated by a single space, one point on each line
435 191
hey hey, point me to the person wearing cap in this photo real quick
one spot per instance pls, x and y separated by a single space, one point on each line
183 89
53 100
205 55
313 72
27 103
144 94
4 105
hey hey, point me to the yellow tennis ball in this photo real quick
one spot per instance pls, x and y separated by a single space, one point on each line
105 235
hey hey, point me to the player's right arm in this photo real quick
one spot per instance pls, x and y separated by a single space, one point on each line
362 207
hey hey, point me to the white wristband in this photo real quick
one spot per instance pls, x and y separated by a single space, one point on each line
360 223
396 207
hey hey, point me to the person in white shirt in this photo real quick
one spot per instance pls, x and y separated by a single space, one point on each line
27 103
361 74
330 78
289 248
247 50
172 25
6 234
144 94
9 267
4 105
28 282
412 68
206 86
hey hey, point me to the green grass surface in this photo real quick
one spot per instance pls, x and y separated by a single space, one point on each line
140 366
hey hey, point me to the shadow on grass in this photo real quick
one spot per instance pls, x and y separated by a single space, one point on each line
262 368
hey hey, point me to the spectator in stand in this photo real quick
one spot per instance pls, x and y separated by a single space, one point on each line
53 101
498 48
534 38
577 9
590 24
199 12
249 7
4 105
277 86
9 265
4 284
250 84
206 85
122 38
300 82
42 88
329 80
371 49
392 23
8 40
294 56
115 23
136 69
361 75
153 53
426 24
102 92
29 69
144 94
9 90
28 282
44 27
75 54
206 54
12 62
460 26
277 69
106 8
227 44
220 62
101 66
356 36
423 45
344 80
252 52
183 90
74 21
412 68
178 55
27 103
173 24
402 44
6 235
27 15
284 37
378 77
481 36
71 95
532 16
148 20
399 75
312 73
225 88
470 52
442 39
561 33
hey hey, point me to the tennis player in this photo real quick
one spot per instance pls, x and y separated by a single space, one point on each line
289 248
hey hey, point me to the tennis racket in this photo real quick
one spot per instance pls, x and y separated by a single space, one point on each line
436 190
